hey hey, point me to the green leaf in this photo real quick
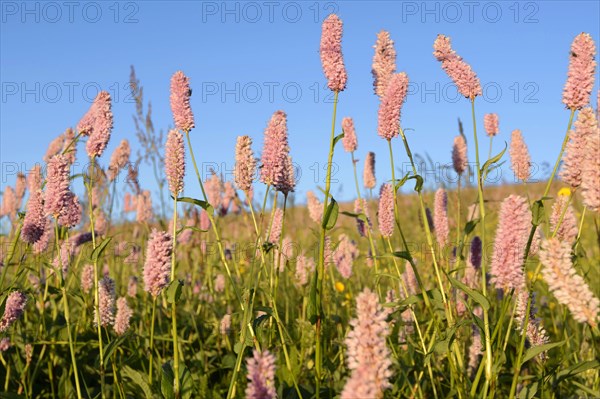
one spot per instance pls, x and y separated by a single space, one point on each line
537 212
401 182
350 214
338 138
411 300
166 381
477 320
491 161
228 361
108 351
576 369
589 391
473 294
470 226
138 378
529 391
96 253
174 291
202 204
360 216
191 228
419 183
403 255
443 346
75 176
242 345
331 215
265 309
536 350
267 246
186 384
11 395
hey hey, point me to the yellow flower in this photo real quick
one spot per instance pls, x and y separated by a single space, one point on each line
564 192
339 286
348 296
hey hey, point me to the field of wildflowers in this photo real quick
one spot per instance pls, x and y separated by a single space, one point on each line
464 290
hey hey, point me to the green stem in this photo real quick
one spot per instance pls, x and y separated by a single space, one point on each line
579 230
176 388
414 317
513 387
278 320
112 201
486 317
151 362
367 224
397 219
67 313
187 136
96 273
560 154
458 214
355 175
248 312
428 235
214 226
321 266
365 204
11 252
74 141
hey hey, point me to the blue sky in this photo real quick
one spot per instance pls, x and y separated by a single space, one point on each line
249 59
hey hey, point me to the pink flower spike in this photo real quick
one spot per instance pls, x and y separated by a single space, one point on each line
458 70
386 210
440 217
569 288
157 268
175 162
245 163
368 356
384 62
180 102
490 122
582 69
369 180
510 243
331 53
520 161
459 154
349 140
102 125
261 376
391 106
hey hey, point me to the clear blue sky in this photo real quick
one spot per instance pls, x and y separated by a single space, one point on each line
248 59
